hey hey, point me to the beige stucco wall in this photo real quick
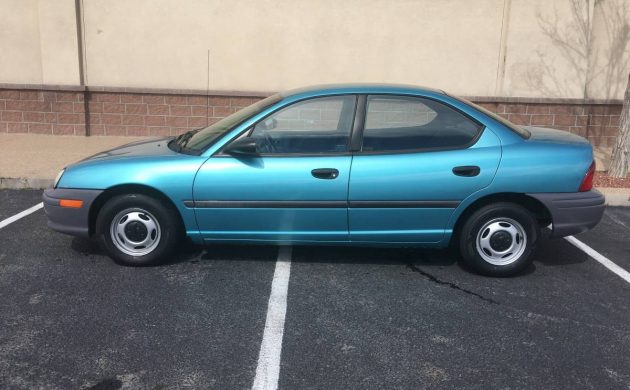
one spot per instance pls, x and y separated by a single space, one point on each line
38 42
277 44
535 62
549 54
20 60
58 42
469 47
609 58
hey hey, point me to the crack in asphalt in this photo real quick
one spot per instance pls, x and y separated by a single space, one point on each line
615 219
525 313
415 268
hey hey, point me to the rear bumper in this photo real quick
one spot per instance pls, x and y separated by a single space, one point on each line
73 221
573 213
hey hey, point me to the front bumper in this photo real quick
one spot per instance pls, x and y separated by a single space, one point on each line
574 212
73 221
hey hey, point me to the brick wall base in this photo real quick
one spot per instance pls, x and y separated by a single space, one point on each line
599 123
59 112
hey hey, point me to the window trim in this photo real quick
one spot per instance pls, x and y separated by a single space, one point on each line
473 141
250 129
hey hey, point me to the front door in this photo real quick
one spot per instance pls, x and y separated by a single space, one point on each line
419 158
294 189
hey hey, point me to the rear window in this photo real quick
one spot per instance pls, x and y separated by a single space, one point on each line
517 129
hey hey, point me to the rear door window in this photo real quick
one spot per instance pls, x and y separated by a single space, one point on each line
403 123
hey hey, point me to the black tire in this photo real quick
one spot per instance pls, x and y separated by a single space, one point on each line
164 237
492 218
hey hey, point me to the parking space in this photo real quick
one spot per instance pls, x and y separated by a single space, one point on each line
413 319
355 317
70 318
611 237
15 201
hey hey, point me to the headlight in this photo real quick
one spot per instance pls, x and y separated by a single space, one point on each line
58 177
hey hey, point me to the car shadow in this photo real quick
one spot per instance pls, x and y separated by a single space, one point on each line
190 252
411 257
329 254
558 252
554 252
187 251
86 246
374 255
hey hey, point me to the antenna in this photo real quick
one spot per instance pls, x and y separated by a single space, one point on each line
208 92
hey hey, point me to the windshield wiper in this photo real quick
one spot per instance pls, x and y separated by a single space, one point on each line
173 145
179 143
183 139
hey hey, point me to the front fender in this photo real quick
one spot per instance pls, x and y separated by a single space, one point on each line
172 176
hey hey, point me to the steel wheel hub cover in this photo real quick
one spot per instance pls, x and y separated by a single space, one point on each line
135 232
501 241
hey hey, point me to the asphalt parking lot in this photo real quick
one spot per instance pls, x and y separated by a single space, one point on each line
356 318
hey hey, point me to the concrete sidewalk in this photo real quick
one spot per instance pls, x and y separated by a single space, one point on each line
33 160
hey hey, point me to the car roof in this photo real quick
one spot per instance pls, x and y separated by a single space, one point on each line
364 88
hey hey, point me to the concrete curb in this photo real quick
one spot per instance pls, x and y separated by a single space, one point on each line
23 183
614 196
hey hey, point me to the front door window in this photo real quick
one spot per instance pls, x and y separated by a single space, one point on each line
311 127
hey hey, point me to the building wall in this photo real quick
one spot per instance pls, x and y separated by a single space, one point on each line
496 50
157 114
534 48
38 42
134 114
278 44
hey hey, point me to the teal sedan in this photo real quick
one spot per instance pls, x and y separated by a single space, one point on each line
381 165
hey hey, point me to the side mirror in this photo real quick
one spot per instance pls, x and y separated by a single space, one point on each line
268 124
242 147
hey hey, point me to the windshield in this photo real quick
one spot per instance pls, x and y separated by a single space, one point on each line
196 141
517 129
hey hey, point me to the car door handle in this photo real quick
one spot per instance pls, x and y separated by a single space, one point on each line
325 173
467 170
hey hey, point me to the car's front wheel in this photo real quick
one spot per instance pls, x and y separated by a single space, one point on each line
136 229
499 239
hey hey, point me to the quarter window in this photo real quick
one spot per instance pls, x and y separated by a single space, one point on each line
314 126
395 123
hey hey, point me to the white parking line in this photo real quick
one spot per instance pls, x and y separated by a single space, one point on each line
20 215
625 275
268 369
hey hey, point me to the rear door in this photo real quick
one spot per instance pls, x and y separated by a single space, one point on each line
294 189
418 159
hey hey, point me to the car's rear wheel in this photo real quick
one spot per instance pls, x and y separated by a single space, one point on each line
499 239
136 229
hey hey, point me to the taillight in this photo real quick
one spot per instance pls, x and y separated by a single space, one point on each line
587 182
